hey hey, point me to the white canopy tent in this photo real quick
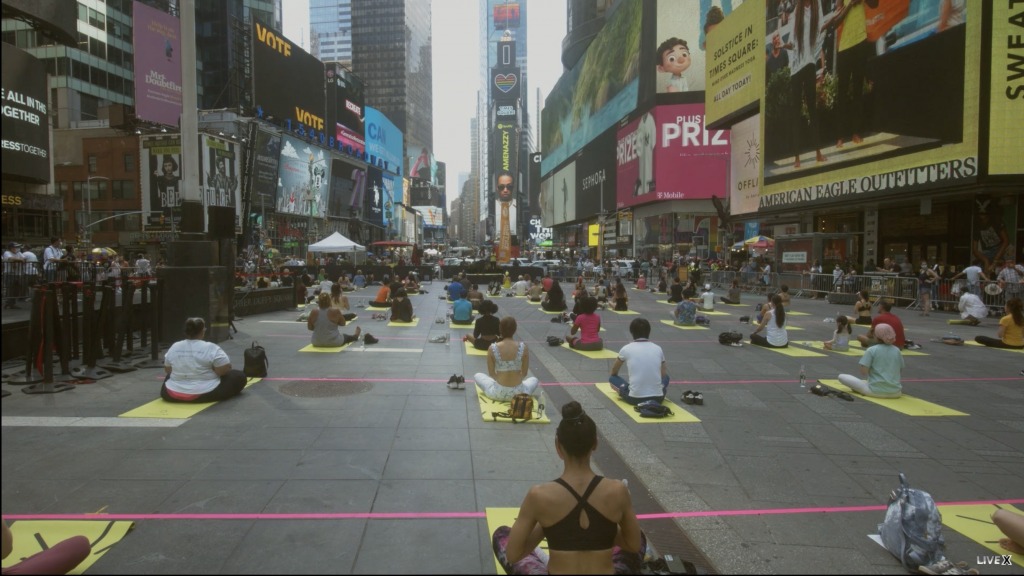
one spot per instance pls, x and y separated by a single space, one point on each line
336 243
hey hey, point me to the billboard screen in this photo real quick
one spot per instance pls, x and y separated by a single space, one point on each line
26 128
303 177
375 197
599 90
1006 147
160 160
681 53
745 165
596 173
422 164
432 217
558 197
264 176
505 84
220 163
348 189
896 108
534 182
668 154
506 16
383 141
157 46
734 77
288 83
345 110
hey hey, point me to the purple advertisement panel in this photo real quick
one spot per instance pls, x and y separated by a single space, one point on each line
157 44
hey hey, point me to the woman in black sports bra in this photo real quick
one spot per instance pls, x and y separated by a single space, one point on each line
588 520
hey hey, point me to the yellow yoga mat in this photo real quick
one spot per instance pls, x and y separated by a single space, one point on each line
377 308
159 408
549 312
855 349
473 351
30 537
678 414
790 351
413 324
794 328
489 406
904 404
625 312
788 313
498 517
972 343
604 354
974 522
311 348
674 325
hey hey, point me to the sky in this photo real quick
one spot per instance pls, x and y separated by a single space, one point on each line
456 49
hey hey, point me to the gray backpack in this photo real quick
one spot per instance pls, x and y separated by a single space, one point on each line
912 529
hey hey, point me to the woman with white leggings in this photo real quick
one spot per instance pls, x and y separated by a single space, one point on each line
508 363
882 364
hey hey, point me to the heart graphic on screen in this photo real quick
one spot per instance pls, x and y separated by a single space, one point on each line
505 82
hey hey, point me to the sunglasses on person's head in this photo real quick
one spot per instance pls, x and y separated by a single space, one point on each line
505 187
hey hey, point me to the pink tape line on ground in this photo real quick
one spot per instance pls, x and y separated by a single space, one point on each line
441 515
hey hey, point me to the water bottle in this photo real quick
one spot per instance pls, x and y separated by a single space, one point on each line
448 339
803 377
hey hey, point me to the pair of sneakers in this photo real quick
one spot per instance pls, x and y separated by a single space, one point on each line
380 316
693 398
439 339
457 382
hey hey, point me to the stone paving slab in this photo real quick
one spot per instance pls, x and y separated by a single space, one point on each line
412 445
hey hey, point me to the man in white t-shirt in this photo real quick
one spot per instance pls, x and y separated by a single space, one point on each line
646 141
645 360
142 266
521 286
708 300
973 274
52 257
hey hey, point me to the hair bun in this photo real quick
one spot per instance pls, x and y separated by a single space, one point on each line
572 410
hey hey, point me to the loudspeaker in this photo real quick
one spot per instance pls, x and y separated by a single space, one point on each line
192 221
222 221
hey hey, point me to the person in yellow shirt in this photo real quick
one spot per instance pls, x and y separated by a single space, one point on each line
1011 328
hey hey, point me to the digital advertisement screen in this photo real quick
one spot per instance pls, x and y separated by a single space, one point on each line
558 197
160 161
303 178
596 171
505 84
535 185
422 164
745 177
345 109
432 217
375 196
682 53
506 16
599 91
734 53
157 45
668 154
220 174
288 83
383 141
886 103
26 128
348 189
1006 146
265 169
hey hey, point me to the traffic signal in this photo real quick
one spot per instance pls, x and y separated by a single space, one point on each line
161 219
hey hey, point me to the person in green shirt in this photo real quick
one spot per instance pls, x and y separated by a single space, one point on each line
882 364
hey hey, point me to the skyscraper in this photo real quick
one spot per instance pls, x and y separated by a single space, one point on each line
391 52
332 22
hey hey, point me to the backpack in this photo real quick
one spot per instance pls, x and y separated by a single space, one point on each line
729 338
520 408
703 321
554 341
256 362
652 409
912 529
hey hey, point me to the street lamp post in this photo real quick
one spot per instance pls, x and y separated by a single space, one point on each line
88 194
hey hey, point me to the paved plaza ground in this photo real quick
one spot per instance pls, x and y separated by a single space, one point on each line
402 442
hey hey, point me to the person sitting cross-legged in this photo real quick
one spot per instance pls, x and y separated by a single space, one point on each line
1012 525
508 364
324 322
199 371
462 310
675 291
475 296
1011 328
734 293
645 360
487 329
383 299
454 288
401 307
882 364
773 322
536 291
554 299
685 313
588 520
886 317
588 324
340 302
707 300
